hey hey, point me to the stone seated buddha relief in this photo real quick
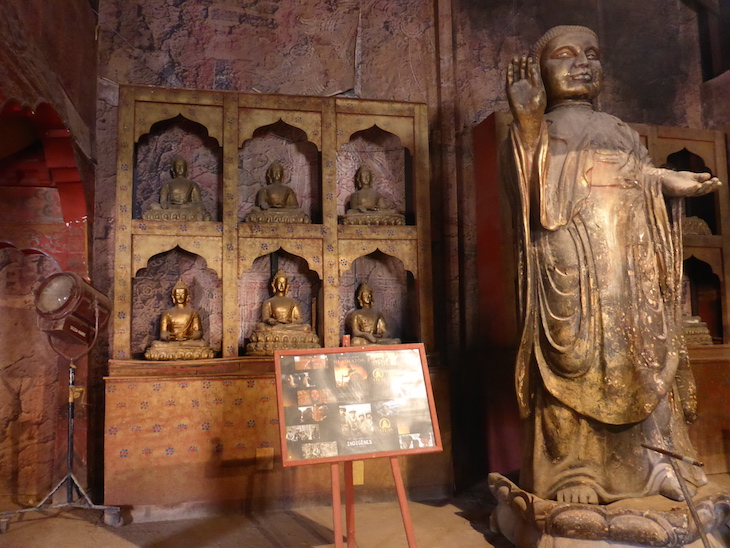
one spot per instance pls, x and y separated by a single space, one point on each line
367 205
181 333
180 198
276 202
366 325
282 326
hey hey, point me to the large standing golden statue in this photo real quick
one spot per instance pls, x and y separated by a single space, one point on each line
180 198
282 326
181 332
276 202
601 366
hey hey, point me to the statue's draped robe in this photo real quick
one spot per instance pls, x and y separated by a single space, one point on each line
182 324
601 347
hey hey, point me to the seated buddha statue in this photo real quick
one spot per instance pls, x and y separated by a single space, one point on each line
181 333
282 325
276 202
366 325
180 198
367 205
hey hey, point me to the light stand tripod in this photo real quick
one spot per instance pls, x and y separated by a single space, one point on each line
111 513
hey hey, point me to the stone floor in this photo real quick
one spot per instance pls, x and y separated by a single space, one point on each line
458 523
462 522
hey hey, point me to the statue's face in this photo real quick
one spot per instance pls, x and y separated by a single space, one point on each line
179 167
571 68
364 177
366 296
180 295
280 285
276 173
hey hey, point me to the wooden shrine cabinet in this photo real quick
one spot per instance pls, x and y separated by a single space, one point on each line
706 230
706 270
203 430
229 140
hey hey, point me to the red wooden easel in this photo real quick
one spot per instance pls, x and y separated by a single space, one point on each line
350 504
287 400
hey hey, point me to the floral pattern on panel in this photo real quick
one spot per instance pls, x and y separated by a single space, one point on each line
187 421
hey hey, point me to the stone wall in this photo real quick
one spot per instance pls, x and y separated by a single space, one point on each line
48 72
29 376
48 55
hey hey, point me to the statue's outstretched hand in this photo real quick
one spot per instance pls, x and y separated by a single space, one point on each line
526 95
685 184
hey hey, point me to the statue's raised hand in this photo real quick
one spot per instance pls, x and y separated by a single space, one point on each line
526 95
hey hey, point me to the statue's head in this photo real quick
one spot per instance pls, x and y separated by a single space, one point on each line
280 283
275 173
179 167
570 64
364 295
363 177
180 293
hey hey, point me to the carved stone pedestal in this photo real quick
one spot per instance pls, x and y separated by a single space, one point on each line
264 343
288 216
385 219
187 350
191 213
529 521
696 332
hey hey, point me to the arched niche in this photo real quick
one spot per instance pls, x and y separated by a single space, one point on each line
388 160
151 296
155 152
254 287
702 296
393 293
41 187
288 145
703 207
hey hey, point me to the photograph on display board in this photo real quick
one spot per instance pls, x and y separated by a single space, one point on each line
355 403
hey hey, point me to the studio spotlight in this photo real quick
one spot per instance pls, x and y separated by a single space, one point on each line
71 309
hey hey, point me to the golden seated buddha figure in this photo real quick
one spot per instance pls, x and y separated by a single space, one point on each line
181 333
282 326
180 198
276 202
367 205
366 325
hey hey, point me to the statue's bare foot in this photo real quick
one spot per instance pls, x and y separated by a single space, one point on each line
580 494
670 488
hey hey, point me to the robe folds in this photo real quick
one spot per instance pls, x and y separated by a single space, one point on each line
602 350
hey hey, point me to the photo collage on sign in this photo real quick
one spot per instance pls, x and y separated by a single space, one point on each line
353 403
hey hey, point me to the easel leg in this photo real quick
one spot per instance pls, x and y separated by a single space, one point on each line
336 504
403 502
350 505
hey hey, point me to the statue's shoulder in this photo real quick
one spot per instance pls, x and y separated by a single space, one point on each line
606 118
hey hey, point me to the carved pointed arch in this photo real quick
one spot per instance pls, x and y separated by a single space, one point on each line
350 124
208 247
146 115
251 249
404 250
253 121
